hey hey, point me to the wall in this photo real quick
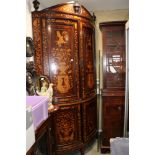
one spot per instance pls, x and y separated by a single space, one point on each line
29 9
28 19
104 16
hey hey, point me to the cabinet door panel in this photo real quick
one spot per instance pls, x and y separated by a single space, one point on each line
115 110
63 58
67 126
41 145
114 56
89 85
89 119
113 117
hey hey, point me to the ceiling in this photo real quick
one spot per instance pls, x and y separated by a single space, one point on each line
91 5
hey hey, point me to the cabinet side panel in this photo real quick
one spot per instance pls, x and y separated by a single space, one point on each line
37 34
89 76
89 119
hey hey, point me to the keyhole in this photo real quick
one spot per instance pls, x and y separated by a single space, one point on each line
63 82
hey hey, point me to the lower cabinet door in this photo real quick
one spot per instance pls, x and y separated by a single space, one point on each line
43 145
112 118
89 120
67 127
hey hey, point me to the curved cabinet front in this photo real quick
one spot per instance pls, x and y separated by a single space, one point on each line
65 53
89 117
75 125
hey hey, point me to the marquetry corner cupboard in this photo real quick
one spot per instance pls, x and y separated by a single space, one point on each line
65 53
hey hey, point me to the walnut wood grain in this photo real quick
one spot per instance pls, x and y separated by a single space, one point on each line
66 39
113 94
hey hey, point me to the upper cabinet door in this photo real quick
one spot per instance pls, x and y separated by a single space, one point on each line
64 43
88 52
60 57
113 55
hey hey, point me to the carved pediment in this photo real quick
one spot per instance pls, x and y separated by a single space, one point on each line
69 9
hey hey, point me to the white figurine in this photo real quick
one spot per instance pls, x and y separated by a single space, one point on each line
47 92
50 92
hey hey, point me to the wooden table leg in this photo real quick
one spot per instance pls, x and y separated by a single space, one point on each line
82 151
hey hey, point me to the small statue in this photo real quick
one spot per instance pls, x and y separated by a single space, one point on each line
50 92
50 95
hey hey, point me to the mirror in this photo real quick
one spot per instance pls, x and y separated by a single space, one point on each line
29 47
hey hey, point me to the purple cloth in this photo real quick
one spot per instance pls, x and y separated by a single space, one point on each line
39 106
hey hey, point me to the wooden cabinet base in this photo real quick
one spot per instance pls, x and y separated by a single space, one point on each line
105 149
75 125
78 147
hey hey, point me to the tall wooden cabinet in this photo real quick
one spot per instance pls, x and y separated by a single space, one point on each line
113 94
65 53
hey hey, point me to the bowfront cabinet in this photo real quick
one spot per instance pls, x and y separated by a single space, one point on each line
65 53
113 94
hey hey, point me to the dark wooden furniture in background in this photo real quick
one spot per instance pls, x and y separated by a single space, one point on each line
113 95
65 53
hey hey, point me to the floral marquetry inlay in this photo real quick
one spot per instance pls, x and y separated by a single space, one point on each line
66 127
45 49
61 51
38 44
64 45
63 54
